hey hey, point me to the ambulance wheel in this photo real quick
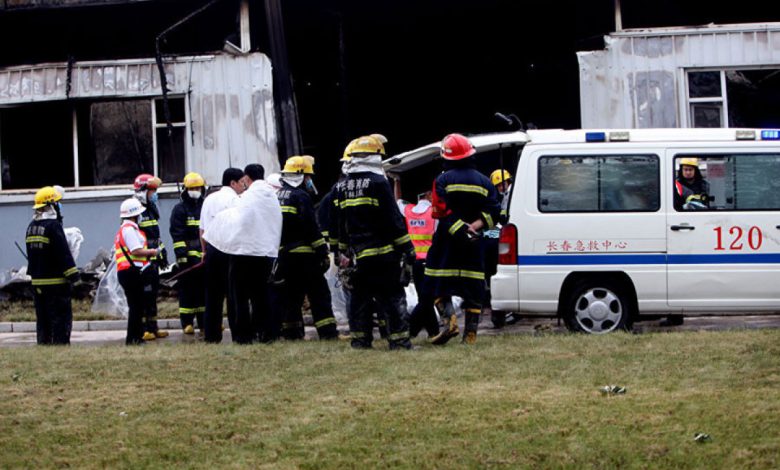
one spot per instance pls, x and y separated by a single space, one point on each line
597 307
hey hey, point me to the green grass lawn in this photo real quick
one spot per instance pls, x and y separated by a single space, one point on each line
509 402
24 310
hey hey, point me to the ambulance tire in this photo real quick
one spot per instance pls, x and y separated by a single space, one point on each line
597 306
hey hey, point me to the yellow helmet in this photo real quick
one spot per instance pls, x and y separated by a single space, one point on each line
297 164
46 195
348 150
368 144
499 176
308 168
692 161
193 180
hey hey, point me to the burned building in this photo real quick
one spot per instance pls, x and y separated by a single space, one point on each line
107 90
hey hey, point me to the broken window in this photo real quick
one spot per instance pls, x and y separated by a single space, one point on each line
109 142
36 145
734 98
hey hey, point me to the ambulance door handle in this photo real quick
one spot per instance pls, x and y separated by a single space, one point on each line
682 227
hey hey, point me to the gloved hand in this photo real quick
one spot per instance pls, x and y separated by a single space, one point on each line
407 268
162 259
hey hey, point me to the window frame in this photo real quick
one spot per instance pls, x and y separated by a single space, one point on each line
654 156
705 156
186 125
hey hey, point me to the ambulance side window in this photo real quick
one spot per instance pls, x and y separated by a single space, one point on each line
614 183
727 182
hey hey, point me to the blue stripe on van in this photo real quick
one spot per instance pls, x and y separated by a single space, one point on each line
650 258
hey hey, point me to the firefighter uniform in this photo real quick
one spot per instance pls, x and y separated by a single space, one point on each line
371 234
52 269
185 231
148 222
303 260
455 262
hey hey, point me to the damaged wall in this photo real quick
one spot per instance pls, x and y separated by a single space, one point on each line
230 115
638 81
230 106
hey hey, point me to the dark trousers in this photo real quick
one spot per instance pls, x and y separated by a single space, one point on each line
132 282
192 297
53 314
250 317
424 314
377 282
151 288
303 278
216 267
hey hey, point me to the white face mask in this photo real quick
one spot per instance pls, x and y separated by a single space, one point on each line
194 194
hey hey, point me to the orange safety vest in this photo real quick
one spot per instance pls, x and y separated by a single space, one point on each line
122 262
421 228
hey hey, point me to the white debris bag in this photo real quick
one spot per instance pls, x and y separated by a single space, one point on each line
75 239
110 297
10 276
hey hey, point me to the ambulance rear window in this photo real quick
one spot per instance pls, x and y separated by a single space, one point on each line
614 183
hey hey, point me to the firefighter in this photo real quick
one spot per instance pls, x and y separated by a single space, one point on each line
370 243
52 269
465 202
691 190
185 231
303 255
502 180
145 186
133 267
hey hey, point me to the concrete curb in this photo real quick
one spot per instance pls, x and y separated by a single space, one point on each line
93 325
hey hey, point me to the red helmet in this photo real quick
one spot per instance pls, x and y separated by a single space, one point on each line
146 181
456 147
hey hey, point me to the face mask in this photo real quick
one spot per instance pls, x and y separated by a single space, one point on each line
153 198
194 194
310 186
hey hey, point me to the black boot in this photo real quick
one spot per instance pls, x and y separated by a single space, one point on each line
472 325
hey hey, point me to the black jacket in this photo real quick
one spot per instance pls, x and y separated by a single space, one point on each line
300 233
365 220
49 261
185 230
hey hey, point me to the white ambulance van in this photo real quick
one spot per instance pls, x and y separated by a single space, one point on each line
595 235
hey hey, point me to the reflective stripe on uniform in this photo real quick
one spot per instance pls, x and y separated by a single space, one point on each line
397 336
302 249
454 273
289 209
193 223
488 219
420 237
382 250
360 201
195 254
357 334
179 245
188 311
71 271
148 223
324 322
466 188
402 239
456 226
422 249
318 243
36 239
50 281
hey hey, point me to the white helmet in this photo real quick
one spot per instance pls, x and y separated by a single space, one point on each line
131 207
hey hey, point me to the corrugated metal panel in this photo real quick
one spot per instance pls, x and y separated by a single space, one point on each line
230 98
636 81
